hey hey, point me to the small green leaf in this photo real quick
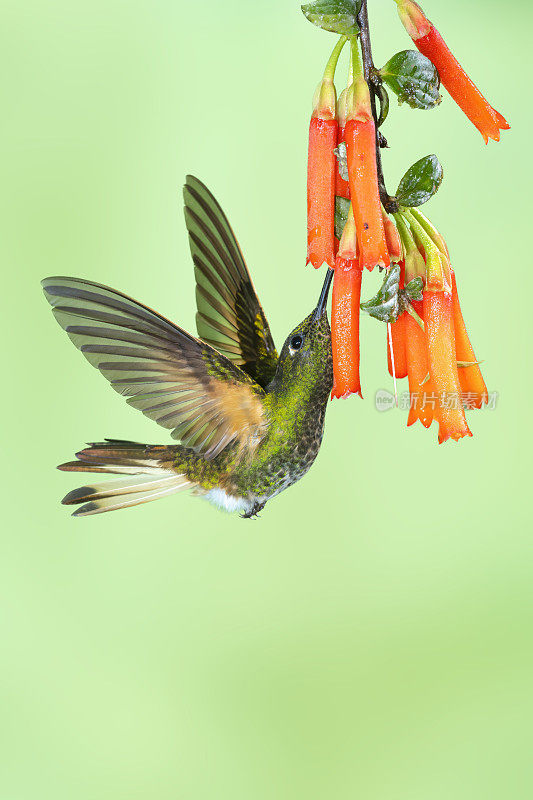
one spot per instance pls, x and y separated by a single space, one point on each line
386 306
420 182
413 289
337 16
342 206
413 78
391 301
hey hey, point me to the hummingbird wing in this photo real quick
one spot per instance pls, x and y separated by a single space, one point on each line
229 315
178 381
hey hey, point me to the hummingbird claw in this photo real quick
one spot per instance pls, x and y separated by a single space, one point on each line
253 513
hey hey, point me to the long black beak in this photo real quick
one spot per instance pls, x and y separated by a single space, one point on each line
323 299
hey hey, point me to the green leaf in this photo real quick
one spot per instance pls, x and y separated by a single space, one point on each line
420 182
413 289
342 206
391 301
413 78
337 16
386 306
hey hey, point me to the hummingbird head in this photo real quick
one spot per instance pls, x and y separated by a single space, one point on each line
305 365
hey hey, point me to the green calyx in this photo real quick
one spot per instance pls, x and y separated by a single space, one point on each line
414 263
437 262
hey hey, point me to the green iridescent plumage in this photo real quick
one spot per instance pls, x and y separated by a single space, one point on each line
249 423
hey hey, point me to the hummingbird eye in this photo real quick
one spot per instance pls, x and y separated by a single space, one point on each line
296 342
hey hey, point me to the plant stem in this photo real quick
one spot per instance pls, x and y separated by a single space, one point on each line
419 232
331 66
373 80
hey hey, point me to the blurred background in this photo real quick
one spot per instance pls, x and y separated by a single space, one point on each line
371 634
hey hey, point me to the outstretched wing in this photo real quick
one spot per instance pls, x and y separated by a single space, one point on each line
229 315
176 380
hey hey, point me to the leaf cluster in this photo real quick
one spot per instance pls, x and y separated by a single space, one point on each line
391 301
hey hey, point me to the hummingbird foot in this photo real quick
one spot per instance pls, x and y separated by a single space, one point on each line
254 511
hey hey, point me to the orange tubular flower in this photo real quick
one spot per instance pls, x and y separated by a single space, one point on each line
321 168
470 378
392 239
422 395
360 136
428 40
440 342
345 328
397 331
360 144
345 300
321 191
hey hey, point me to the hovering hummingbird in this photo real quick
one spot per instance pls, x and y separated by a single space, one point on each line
249 422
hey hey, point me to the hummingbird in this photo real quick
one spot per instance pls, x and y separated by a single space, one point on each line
249 422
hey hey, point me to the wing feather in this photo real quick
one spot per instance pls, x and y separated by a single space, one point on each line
230 317
182 383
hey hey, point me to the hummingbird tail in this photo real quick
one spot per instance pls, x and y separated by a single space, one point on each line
148 471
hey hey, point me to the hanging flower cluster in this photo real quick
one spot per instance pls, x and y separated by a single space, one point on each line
429 338
355 225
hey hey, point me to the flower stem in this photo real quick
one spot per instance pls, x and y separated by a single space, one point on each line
414 263
430 230
357 71
405 234
331 66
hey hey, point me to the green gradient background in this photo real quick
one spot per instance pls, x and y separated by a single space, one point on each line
370 636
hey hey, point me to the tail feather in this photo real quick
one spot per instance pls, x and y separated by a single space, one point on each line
125 501
77 466
148 467
113 488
